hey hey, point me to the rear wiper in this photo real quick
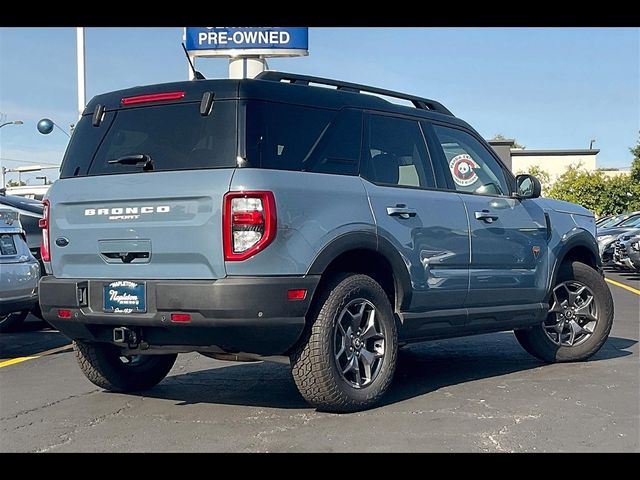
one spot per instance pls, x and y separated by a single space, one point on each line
134 160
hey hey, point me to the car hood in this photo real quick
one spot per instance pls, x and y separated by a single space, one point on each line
565 207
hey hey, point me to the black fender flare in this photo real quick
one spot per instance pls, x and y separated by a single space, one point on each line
580 239
363 240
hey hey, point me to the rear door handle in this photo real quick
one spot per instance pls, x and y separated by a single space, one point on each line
401 211
486 216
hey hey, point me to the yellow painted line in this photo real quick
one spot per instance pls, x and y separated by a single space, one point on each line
13 361
622 285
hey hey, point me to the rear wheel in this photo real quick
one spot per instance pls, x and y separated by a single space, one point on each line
11 321
347 359
579 320
105 366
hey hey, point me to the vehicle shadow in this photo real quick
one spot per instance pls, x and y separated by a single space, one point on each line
422 368
33 336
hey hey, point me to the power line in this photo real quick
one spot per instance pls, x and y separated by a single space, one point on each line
29 161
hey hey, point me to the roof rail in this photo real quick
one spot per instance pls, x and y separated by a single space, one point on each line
418 102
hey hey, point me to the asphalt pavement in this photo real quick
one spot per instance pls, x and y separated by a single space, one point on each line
478 394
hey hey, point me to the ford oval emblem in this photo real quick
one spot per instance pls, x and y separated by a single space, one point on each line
62 242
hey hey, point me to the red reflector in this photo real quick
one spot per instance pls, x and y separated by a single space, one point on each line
152 97
180 317
64 313
299 294
248 218
43 223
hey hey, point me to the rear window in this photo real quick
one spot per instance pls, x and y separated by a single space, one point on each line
175 137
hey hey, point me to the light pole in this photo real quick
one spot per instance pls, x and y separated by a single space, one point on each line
82 78
15 122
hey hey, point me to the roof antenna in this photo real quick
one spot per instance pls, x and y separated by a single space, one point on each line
196 74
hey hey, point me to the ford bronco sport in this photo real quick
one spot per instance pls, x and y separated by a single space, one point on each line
309 220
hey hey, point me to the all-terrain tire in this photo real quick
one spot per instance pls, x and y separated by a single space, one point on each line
314 366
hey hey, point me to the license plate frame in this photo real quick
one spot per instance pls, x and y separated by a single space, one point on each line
125 297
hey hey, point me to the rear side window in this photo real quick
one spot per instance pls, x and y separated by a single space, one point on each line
396 154
176 137
282 136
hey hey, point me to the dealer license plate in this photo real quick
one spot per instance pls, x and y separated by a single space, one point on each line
124 297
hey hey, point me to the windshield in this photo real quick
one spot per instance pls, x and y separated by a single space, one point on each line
174 137
631 221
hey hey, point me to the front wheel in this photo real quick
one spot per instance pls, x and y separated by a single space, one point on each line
347 358
579 320
105 366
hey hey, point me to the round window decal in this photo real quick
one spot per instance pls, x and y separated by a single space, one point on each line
463 170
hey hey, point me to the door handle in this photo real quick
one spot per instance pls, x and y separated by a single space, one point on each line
401 211
486 216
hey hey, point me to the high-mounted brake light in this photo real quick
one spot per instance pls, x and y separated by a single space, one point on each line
249 223
43 223
152 97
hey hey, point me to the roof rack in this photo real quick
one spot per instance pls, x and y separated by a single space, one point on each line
418 102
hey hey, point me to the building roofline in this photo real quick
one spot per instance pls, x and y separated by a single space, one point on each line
500 143
531 153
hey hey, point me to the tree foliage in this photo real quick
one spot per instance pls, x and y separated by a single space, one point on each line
15 183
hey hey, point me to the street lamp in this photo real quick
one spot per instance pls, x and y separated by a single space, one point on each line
45 127
15 122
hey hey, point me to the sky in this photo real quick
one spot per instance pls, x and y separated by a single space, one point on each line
549 88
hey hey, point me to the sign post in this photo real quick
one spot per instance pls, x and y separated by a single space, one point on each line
246 47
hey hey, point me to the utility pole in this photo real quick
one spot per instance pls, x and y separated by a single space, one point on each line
82 78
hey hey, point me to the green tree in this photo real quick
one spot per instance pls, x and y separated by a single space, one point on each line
15 183
635 163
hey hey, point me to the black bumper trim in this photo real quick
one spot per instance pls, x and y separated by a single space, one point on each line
17 305
248 314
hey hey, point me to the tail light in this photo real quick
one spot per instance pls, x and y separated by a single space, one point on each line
248 223
43 223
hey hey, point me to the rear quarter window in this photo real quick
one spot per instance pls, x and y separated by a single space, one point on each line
175 136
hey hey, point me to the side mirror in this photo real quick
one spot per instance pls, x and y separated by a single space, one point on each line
528 186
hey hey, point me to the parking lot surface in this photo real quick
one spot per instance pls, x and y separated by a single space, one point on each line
479 394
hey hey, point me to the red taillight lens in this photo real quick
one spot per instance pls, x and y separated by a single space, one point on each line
180 317
248 223
43 223
152 97
64 313
298 294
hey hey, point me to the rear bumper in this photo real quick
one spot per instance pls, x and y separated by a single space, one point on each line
236 314
19 304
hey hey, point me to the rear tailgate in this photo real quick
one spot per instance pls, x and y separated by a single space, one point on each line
115 216
164 225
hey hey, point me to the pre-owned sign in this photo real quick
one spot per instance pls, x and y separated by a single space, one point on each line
268 41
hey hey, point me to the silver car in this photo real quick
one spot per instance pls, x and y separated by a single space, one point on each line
19 272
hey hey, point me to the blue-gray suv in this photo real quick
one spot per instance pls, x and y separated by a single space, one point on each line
305 220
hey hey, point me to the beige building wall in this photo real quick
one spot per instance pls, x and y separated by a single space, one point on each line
615 173
553 163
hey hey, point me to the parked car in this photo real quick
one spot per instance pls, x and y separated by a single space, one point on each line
621 249
616 220
600 221
274 219
634 253
30 213
608 236
19 272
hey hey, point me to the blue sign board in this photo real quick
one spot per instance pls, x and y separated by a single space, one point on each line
211 41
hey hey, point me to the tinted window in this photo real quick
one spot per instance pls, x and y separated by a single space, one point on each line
339 150
472 168
396 153
282 136
176 137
